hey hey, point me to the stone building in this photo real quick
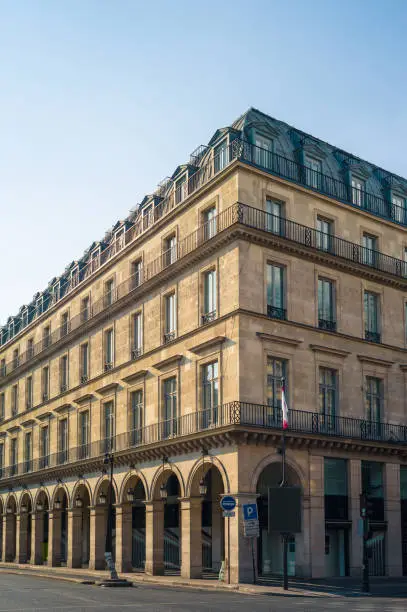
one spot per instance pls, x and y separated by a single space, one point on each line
270 253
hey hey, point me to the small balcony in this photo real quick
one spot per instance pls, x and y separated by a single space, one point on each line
108 366
275 312
136 352
327 324
208 317
372 336
84 379
169 337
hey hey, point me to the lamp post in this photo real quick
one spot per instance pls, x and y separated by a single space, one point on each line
203 487
109 460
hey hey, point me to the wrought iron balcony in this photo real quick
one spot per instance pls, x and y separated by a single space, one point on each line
84 379
327 324
372 336
108 366
136 352
208 317
235 415
276 313
169 337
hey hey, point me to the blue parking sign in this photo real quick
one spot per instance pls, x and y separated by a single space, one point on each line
250 512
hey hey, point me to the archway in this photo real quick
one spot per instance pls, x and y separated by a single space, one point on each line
97 553
25 531
1 529
167 490
39 553
60 528
79 553
132 557
270 545
11 529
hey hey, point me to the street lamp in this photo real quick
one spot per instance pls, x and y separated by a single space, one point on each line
9 510
109 460
78 502
24 508
102 498
57 504
203 487
130 495
163 487
40 506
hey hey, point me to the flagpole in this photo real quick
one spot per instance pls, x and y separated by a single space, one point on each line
284 535
282 442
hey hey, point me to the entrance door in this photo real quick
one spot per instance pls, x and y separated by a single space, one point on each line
138 549
336 552
271 555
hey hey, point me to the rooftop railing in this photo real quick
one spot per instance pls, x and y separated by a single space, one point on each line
240 414
237 213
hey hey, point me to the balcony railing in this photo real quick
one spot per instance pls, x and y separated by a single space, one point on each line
257 219
327 324
276 313
372 336
239 414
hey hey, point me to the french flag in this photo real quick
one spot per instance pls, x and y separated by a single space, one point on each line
284 406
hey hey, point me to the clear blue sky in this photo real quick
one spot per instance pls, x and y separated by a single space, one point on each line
100 100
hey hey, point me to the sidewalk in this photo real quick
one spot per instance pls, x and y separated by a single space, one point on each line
332 588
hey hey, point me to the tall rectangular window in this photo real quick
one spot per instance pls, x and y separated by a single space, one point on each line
28 452
137 333
210 394
209 297
30 348
84 434
399 206
46 336
16 358
1 459
372 486
136 273
276 371
275 292
136 417
108 426
405 262
109 349
85 309
313 172
371 314
328 396
170 250
374 400
3 367
220 156
336 489
63 373
358 188
84 363
369 250
29 392
109 292
64 324
326 304
274 216
2 406
14 400
170 318
181 189
63 440
13 455
209 221
324 234
45 383
44 447
263 152
170 407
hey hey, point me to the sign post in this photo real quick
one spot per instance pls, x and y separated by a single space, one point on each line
228 505
251 529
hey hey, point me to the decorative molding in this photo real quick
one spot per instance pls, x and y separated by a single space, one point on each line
14 428
403 367
107 388
44 416
28 423
203 346
87 397
318 348
174 360
131 378
375 361
63 408
278 339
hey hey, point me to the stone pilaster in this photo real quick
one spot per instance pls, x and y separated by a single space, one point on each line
37 538
155 538
9 537
54 538
123 537
98 525
22 537
393 516
74 537
316 528
191 537
356 544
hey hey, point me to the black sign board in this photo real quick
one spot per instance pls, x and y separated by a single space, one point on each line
284 509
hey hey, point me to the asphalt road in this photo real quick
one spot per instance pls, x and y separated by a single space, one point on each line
26 593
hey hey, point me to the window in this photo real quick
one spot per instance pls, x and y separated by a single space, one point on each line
108 426
30 348
274 216
84 363
137 333
170 407
3 367
64 324
74 277
324 234
83 434
29 392
16 358
136 273
148 216
44 447
109 292
14 400
181 190
358 187
209 297
46 336
220 156
372 486
210 394
326 304
63 373
13 456
371 311
2 406
405 262
399 206
28 452
328 397
263 155
94 260
85 309
119 239
275 292
313 172
405 322
209 220
63 440
170 250
276 371
45 383
109 339
374 400
369 252
136 424
1 459
336 489
170 318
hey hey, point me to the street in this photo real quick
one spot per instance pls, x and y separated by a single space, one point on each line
26 593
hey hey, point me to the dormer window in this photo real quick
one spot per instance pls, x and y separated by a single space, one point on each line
56 292
313 172
399 209
40 305
358 190
119 239
220 156
263 151
74 277
94 259
24 317
180 189
11 329
147 216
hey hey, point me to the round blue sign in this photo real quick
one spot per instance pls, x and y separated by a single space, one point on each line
228 503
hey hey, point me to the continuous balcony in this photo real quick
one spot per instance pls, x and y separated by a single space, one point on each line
238 214
233 416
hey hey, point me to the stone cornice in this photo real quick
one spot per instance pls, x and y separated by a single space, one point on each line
86 397
170 361
132 378
318 348
278 339
63 408
44 416
108 388
207 344
375 361
28 423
